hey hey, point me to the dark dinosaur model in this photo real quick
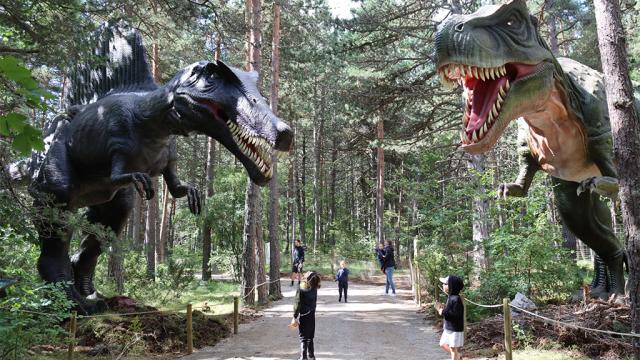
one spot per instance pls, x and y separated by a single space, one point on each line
119 132
508 72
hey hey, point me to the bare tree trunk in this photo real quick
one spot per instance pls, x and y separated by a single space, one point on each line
206 226
480 217
626 140
161 244
150 233
300 189
273 216
253 215
249 244
317 149
116 264
263 289
380 183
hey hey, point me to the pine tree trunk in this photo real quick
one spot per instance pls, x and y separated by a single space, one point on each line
261 276
317 149
480 217
273 216
161 245
249 244
626 140
207 226
380 183
151 233
116 264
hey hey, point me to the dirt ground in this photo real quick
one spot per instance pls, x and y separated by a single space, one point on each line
371 326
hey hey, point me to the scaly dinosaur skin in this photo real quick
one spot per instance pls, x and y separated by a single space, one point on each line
508 72
122 134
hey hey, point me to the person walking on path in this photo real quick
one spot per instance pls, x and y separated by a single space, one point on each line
389 267
304 314
298 261
342 277
453 313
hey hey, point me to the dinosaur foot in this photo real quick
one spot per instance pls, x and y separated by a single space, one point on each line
602 185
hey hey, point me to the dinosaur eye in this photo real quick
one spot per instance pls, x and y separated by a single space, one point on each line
255 101
512 22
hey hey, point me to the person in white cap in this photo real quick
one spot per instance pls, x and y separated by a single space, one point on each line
453 313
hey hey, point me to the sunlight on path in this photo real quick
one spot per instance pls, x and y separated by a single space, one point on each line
370 326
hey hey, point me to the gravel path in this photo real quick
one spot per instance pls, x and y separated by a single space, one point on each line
371 326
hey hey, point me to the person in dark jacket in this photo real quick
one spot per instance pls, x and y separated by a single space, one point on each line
453 313
298 261
389 267
304 314
342 277
380 256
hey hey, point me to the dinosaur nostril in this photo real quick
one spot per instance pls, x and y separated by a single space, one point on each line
459 26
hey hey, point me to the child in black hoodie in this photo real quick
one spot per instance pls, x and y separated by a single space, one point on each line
453 313
304 314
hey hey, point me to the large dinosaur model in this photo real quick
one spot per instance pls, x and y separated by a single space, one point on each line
119 133
508 72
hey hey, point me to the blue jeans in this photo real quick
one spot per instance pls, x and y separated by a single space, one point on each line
389 272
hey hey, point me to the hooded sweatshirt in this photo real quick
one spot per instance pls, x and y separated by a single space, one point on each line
305 301
453 312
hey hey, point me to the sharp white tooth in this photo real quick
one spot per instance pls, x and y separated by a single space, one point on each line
269 173
474 136
475 72
498 105
482 74
481 133
494 111
507 86
504 71
500 98
484 128
462 72
502 93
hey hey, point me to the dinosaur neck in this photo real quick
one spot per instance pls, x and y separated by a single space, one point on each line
157 115
557 139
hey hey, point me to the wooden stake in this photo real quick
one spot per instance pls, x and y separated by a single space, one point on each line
72 335
508 355
236 306
464 323
189 329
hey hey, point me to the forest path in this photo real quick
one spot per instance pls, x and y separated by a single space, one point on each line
370 326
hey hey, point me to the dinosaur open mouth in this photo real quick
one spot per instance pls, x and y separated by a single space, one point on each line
485 90
256 148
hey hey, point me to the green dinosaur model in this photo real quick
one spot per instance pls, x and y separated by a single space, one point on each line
508 72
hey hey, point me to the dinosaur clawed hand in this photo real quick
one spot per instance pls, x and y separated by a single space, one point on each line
510 189
602 185
193 197
143 185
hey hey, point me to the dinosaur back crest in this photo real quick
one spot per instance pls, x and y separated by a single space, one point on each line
118 63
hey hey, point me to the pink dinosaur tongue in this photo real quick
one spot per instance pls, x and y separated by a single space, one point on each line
485 94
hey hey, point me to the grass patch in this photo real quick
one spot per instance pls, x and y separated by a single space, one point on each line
217 295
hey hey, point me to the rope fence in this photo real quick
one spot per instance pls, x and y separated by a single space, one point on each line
73 317
508 326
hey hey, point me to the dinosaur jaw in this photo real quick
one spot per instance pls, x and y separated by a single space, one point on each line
255 148
487 93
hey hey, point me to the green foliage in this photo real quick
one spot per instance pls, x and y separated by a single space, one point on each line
24 92
22 323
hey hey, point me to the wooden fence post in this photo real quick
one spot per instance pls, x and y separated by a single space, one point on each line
236 306
464 310
418 287
72 335
508 355
189 329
